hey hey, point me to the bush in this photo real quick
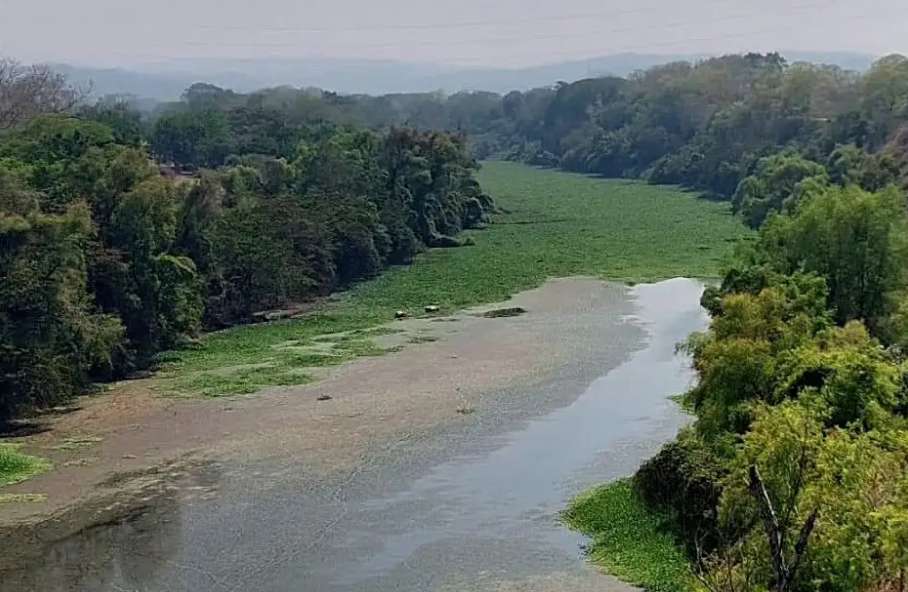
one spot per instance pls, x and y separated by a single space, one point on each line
684 480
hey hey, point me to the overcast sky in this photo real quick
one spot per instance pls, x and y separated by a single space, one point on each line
464 32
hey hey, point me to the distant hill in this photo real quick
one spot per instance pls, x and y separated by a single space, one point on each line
166 81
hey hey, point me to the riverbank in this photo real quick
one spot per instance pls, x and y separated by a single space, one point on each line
480 436
552 224
442 378
322 417
630 540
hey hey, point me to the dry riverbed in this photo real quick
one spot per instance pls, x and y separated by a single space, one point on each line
265 487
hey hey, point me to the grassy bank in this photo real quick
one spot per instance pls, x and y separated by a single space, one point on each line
629 540
16 467
553 224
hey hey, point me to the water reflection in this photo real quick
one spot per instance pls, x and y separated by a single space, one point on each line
515 492
463 524
133 537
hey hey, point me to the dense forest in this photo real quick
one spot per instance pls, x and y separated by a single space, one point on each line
794 475
121 234
106 258
751 129
713 125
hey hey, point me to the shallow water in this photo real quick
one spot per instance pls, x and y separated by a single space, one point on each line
470 522
529 478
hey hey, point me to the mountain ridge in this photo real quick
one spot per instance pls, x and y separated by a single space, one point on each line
166 80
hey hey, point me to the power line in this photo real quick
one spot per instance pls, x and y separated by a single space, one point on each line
574 54
435 26
497 40
650 46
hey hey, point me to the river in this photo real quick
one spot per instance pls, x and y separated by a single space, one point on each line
478 513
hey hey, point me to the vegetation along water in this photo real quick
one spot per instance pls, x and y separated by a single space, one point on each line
135 240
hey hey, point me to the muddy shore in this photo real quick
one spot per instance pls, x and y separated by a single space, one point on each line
150 493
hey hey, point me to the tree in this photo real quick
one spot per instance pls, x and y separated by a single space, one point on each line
301 203
198 213
884 100
785 568
855 240
778 183
66 156
51 337
344 163
197 138
860 490
849 165
29 91
118 114
203 96
267 254
158 294
765 492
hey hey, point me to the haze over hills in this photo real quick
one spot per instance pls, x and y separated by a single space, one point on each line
253 286
167 80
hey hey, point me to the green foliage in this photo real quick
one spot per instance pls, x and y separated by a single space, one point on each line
64 157
50 335
706 125
737 361
855 480
781 445
192 137
853 239
349 204
861 490
256 257
779 183
105 262
343 163
807 399
883 102
852 376
630 540
246 360
117 114
16 467
162 301
683 480
550 224
849 165
817 418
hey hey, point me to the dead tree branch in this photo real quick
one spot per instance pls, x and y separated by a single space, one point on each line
784 571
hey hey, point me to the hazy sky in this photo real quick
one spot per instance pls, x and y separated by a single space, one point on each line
466 32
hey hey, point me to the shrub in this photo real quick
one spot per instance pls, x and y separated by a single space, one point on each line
684 480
